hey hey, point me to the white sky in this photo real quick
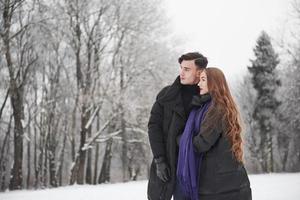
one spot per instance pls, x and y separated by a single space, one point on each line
226 30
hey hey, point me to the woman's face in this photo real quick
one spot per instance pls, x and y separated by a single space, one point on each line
203 83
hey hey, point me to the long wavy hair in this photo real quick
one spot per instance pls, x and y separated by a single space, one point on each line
221 96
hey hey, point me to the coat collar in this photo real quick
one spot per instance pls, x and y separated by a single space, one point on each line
199 100
173 98
172 92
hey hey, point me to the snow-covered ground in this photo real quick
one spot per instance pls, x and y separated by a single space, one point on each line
284 186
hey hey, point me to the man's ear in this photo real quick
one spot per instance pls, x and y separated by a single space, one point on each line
198 73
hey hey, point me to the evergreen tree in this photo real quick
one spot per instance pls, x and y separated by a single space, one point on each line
266 83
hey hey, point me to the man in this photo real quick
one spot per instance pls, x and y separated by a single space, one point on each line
167 121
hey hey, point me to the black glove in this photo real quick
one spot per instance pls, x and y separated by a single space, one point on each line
162 169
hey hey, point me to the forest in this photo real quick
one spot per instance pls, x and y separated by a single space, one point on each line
78 79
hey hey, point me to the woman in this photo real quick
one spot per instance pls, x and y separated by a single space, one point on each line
210 160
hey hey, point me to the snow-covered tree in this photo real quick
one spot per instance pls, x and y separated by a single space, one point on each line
80 74
266 83
289 139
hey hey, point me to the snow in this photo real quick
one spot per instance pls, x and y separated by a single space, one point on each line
264 187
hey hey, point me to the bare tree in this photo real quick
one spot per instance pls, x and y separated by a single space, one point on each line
76 67
18 64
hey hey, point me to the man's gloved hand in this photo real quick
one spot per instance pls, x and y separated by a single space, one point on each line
162 169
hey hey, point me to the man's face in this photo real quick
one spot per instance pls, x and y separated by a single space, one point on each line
189 74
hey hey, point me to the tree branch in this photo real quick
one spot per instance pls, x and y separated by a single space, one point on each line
3 105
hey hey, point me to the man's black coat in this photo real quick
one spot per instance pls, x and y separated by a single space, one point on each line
167 120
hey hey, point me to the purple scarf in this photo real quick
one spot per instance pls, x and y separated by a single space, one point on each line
188 160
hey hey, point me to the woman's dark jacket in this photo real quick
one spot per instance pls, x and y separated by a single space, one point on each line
222 177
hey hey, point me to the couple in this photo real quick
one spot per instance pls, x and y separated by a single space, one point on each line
195 137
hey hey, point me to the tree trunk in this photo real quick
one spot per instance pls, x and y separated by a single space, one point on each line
77 171
35 160
105 169
45 167
123 125
61 160
79 165
96 164
16 97
4 157
52 167
96 153
82 153
88 176
72 134
17 104
29 152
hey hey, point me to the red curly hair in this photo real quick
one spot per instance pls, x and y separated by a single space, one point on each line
221 96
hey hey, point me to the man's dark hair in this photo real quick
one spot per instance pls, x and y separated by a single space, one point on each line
200 60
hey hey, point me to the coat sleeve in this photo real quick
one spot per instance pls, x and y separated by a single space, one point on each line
210 131
155 127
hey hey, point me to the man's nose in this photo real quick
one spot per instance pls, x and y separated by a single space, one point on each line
181 72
